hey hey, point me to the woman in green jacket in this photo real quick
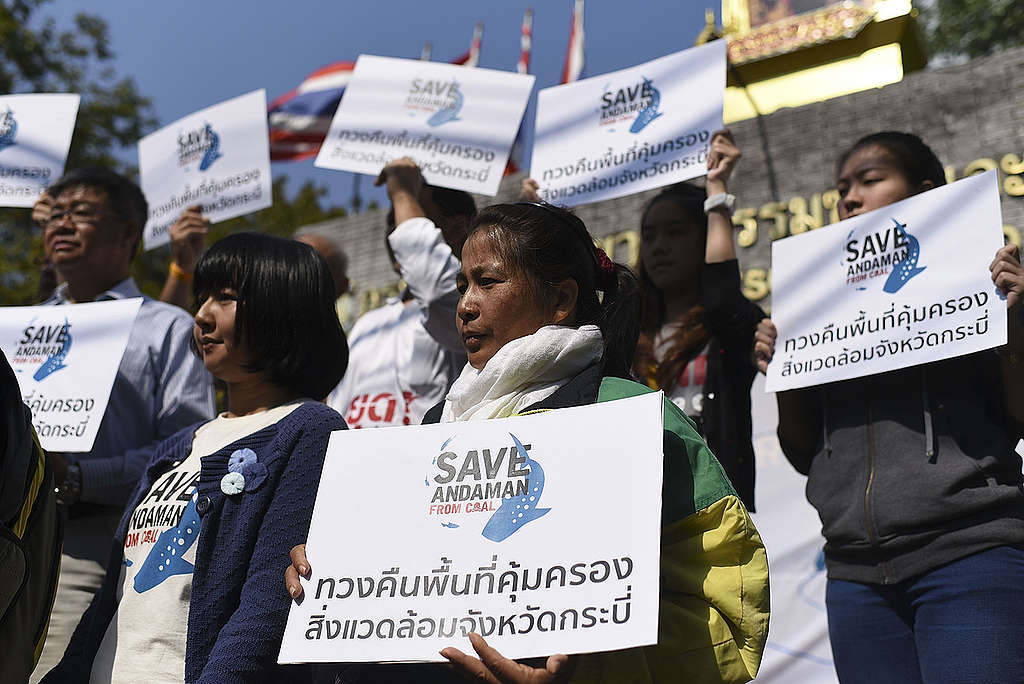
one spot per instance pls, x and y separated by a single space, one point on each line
548 321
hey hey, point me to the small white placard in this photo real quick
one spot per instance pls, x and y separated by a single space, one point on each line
218 157
66 359
540 533
457 123
35 135
629 130
899 286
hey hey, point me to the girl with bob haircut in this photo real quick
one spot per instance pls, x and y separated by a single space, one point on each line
549 321
192 590
914 476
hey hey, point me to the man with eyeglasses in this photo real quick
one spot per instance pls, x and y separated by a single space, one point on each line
90 237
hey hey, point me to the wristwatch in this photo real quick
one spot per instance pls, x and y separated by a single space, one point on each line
69 491
721 200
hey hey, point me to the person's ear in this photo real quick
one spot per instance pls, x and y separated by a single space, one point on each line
564 300
926 185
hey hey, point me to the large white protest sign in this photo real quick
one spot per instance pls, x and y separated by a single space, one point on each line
902 285
66 359
540 533
457 123
35 134
629 130
218 157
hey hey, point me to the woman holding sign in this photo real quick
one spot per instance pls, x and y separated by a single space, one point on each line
548 321
697 333
193 586
915 480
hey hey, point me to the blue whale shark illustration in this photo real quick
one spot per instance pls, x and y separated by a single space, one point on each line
165 558
56 361
8 128
904 269
449 525
449 113
213 151
648 113
516 511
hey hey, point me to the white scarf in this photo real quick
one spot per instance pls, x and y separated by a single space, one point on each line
523 372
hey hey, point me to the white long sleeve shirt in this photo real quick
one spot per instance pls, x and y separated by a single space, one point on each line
404 356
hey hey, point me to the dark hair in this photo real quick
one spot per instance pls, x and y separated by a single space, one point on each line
691 337
453 202
285 313
916 159
549 244
124 197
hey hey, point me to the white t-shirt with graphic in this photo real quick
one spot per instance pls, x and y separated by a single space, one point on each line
145 640
687 391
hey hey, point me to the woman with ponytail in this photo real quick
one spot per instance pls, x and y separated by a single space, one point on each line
701 340
548 322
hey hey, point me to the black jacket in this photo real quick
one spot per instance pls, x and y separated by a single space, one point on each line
732 320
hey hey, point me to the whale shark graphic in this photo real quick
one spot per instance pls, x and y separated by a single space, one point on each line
904 269
449 525
648 113
56 361
165 558
213 151
8 128
449 113
516 511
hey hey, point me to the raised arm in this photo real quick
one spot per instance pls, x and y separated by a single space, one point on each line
188 236
722 159
424 257
1008 275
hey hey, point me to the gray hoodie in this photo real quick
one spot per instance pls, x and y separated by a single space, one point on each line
914 469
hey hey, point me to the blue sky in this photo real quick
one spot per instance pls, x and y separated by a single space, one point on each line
189 55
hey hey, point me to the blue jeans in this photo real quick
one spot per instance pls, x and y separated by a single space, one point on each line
961 622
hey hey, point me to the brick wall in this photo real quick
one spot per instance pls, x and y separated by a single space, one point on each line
972 115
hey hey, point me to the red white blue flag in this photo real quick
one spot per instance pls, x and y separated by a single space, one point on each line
299 120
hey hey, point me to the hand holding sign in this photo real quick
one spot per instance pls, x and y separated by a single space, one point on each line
494 668
1008 274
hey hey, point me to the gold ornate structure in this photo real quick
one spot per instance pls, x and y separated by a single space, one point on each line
789 53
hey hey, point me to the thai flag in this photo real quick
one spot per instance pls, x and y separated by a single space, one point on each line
574 57
299 120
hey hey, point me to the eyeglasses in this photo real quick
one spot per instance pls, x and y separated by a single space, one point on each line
80 216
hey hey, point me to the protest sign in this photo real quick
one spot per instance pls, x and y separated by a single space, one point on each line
457 123
899 286
629 130
540 533
66 359
35 134
218 157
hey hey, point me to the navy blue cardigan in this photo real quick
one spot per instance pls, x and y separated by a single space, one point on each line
239 604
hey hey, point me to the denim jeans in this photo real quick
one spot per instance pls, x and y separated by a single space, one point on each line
959 623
